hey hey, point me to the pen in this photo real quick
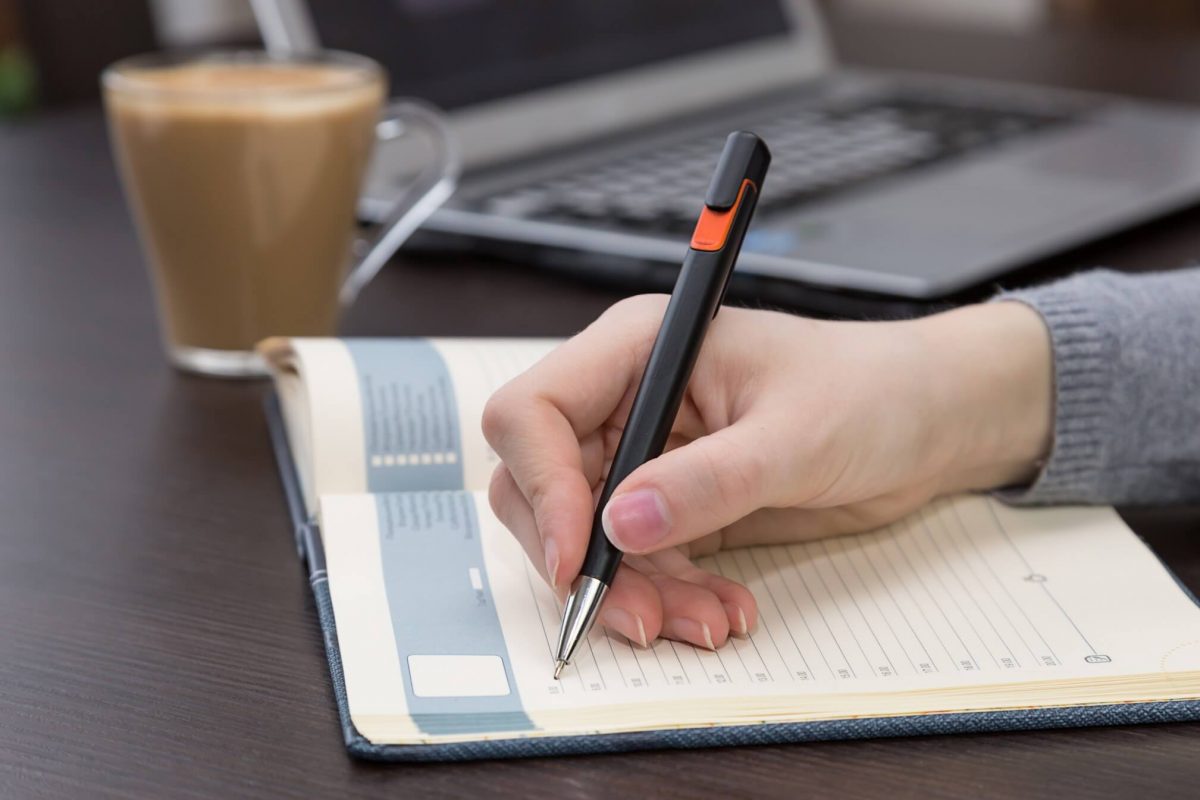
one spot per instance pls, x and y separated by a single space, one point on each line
695 300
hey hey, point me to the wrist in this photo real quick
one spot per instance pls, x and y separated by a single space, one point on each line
992 379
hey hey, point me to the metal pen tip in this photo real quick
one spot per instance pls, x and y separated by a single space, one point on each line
558 667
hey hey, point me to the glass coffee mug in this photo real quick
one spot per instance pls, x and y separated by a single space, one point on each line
243 171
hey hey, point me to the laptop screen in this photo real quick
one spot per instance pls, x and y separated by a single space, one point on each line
461 52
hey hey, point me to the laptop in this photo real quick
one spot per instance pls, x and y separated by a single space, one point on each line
590 128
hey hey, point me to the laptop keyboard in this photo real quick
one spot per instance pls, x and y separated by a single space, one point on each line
816 152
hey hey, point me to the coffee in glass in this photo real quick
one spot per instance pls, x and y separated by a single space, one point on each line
243 171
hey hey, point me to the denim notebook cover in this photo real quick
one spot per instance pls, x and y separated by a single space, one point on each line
308 542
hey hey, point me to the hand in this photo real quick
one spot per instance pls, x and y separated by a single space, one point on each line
791 429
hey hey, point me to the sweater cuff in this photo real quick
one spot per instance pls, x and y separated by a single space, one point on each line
1083 352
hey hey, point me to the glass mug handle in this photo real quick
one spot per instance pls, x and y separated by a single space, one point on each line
417 201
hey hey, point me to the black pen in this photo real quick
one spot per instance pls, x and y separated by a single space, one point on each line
699 290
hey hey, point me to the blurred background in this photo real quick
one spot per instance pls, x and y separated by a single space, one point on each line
51 51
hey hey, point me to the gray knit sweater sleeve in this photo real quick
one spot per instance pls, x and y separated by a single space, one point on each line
1127 388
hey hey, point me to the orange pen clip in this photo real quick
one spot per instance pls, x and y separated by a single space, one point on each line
712 229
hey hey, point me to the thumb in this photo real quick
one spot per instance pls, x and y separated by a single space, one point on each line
693 490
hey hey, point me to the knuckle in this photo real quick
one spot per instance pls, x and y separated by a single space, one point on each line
498 489
497 414
639 306
636 321
731 477
538 493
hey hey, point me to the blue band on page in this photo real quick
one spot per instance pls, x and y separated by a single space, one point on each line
458 676
410 416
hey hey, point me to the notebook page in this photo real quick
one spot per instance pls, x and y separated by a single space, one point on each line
382 415
966 592
478 367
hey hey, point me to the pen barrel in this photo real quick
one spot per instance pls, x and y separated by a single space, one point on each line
697 296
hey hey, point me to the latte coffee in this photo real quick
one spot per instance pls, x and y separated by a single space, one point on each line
243 174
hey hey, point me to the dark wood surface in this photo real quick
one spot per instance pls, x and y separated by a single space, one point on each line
157 636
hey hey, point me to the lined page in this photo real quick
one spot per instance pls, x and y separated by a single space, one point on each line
965 591
442 620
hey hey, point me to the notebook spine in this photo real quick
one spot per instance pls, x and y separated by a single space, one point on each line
304 528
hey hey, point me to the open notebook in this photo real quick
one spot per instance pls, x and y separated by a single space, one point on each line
969 615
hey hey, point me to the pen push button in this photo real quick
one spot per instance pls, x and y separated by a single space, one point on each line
712 229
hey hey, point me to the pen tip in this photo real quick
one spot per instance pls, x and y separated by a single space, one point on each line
558 668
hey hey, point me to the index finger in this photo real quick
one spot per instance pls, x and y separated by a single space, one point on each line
535 422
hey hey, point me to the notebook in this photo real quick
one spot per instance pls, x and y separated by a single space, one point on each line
969 615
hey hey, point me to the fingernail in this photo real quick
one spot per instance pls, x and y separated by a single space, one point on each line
689 630
627 624
737 618
637 521
551 561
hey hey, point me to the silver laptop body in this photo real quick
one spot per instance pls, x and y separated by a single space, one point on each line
901 185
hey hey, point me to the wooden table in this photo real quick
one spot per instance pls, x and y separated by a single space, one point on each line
157 636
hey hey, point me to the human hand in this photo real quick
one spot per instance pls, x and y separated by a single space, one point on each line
791 429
